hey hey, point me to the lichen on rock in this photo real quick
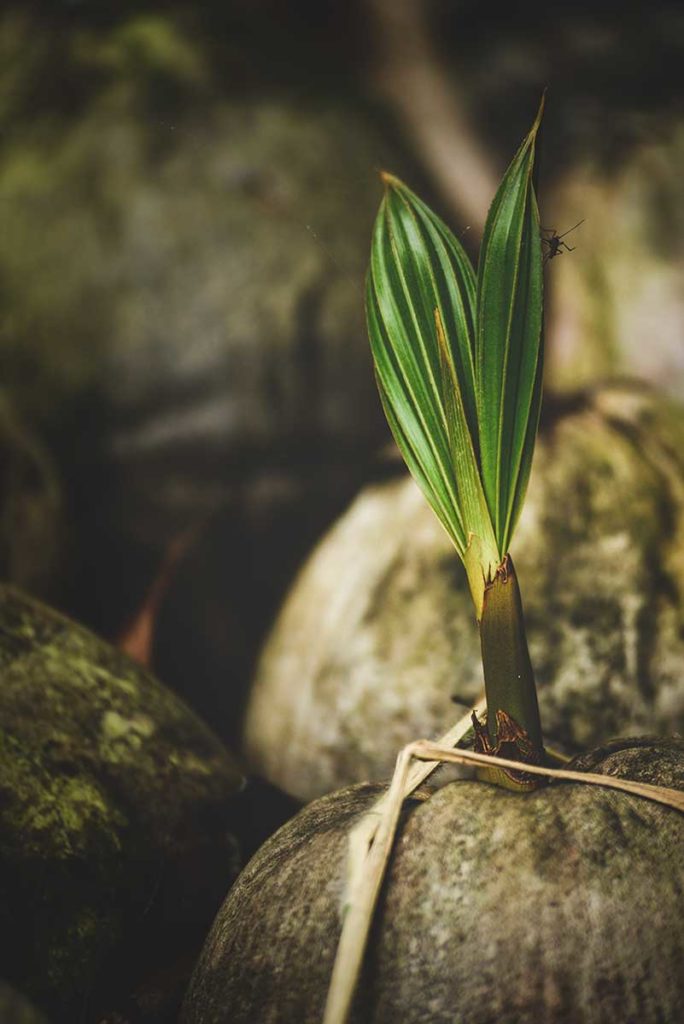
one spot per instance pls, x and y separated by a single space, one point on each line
115 813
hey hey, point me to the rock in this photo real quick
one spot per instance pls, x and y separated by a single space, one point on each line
623 282
116 842
563 905
183 274
377 636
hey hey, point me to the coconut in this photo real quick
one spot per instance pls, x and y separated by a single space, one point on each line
628 274
562 905
117 808
377 637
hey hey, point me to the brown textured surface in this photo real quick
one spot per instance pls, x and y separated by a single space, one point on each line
378 632
115 813
561 906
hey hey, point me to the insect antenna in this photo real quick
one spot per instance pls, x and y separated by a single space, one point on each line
572 228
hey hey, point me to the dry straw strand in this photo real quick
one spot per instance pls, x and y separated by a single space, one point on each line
370 844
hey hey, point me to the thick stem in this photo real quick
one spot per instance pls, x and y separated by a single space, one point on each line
509 678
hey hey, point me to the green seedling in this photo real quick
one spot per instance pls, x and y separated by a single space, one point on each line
458 361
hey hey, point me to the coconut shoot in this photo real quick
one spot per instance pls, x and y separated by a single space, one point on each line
458 363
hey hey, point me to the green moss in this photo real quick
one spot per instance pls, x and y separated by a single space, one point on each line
190 763
144 46
64 817
47 815
108 786
123 738
70 962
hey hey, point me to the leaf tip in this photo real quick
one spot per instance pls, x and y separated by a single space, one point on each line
390 180
540 112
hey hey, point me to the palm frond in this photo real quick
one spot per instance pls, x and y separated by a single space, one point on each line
458 357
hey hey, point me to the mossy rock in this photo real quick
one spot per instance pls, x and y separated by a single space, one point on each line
182 270
115 814
183 264
563 905
377 637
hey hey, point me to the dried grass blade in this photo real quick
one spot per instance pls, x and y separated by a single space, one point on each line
370 844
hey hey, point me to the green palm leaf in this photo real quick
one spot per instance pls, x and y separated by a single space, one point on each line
458 359
419 278
508 340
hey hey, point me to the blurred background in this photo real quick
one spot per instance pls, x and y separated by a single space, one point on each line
186 198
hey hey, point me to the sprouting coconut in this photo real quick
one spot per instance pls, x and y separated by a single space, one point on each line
375 645
507 899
